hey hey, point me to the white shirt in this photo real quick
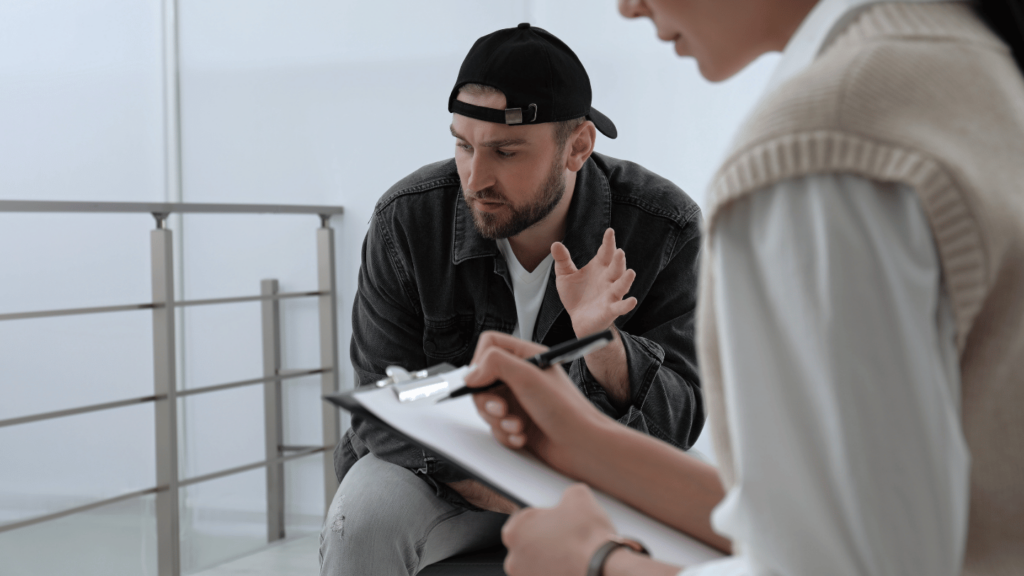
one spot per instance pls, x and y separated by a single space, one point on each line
527 288
840 374
841 384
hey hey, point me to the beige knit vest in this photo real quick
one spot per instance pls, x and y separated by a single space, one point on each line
922 95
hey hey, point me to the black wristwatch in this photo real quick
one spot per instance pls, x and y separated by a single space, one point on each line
596 565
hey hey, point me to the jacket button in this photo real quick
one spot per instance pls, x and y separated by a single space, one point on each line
429 346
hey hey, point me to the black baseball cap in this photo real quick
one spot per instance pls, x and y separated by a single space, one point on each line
542 79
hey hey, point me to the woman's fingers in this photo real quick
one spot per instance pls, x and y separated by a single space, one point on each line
517 347
507 427
490 406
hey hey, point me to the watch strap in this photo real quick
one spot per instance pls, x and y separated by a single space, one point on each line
596 565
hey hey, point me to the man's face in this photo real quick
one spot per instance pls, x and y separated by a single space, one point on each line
512 176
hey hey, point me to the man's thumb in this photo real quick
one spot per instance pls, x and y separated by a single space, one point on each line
563 260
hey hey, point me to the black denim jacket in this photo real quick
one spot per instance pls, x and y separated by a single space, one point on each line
429 284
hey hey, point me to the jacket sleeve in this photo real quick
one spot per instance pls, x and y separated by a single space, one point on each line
386 330
666 400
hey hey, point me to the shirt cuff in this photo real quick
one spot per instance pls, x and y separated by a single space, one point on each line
644 358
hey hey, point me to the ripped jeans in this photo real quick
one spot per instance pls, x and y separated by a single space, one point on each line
385 520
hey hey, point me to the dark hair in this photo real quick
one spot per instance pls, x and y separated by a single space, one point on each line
1006 19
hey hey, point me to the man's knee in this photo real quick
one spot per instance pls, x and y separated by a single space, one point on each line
378 520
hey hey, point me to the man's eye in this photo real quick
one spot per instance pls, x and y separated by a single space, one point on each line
503 154
464 146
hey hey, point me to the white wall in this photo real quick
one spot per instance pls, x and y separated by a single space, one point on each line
282 101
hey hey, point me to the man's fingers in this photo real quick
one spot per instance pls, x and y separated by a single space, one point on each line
618 264
563 260
607 249
623 306
623 284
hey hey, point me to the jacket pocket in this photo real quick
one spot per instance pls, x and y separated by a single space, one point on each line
449 339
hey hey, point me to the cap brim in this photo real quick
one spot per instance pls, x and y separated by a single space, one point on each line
603 123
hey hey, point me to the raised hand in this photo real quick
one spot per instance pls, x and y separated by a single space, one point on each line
593 295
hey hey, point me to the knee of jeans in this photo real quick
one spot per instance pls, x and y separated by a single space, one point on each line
360 523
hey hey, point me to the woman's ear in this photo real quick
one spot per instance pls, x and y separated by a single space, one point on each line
581 145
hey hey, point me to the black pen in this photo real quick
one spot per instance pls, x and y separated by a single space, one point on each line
560 354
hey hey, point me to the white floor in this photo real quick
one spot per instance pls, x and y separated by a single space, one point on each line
298 557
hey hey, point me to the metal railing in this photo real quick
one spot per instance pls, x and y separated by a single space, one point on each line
165 392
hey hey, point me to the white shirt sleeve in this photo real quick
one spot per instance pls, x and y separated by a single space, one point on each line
841 385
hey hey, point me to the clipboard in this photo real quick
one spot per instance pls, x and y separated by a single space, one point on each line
452 430
349 402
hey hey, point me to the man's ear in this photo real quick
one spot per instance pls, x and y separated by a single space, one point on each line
581 145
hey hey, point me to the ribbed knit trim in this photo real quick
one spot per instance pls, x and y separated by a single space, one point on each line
909 21
957 235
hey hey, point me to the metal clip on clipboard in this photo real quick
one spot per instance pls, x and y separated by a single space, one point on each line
444 381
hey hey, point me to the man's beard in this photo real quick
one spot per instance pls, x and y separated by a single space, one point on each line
494 226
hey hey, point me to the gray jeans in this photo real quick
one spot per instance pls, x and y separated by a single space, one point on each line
384 520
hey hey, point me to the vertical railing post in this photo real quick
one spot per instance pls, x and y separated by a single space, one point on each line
272 414
166 408
328 351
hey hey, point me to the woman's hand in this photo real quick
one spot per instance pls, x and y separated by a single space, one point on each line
557 540
541 410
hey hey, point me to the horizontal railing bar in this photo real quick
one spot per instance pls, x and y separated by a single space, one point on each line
99 503
294 448
150 305
250 382
247 467
232 300
76 510
41 206
143 399
76 311
79 410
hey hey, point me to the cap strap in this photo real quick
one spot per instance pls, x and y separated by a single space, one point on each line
510 116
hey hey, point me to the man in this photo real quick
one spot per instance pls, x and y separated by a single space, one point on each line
469 244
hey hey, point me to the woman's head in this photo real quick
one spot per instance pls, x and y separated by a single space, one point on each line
726 35
722 35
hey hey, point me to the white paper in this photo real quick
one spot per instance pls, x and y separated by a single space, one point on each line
454 429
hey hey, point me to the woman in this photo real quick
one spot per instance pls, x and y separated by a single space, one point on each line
860 317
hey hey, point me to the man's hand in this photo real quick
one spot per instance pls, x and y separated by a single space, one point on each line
593 298
593 294
483 497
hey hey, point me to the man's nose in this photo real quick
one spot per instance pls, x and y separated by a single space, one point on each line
480 174
633 8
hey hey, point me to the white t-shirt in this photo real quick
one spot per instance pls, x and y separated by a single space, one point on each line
527 288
